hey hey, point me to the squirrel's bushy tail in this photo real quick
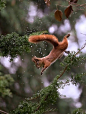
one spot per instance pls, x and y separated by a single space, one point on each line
45 37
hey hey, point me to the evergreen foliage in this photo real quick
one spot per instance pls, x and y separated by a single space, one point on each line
2 4
13 45
79 111
5 82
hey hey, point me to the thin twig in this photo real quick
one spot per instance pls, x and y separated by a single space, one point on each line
63 72
81 5
83 34
80 50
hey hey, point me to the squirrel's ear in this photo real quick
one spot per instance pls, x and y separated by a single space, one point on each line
35 59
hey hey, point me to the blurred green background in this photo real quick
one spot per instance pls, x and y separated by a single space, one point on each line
25 17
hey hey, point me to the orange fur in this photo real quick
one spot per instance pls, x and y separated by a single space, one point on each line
56 52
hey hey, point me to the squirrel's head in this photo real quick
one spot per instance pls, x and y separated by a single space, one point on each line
37 62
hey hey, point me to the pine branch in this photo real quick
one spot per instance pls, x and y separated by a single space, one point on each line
13 45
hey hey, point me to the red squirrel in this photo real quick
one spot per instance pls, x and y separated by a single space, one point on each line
56 52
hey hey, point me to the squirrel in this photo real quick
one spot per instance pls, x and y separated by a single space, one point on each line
56 52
